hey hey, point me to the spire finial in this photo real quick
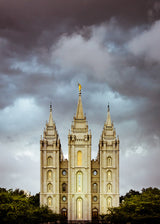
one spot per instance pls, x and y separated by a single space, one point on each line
50 115
108 107
108 121
80 87
79 114
50 106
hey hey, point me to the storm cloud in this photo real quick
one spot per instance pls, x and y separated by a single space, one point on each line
111 48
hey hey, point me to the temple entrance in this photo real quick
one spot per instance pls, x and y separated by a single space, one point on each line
95 213
79 209
64 212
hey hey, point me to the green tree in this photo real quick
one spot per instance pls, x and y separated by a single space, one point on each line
17 208
137 207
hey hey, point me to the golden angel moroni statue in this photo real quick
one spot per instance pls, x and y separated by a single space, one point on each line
79 85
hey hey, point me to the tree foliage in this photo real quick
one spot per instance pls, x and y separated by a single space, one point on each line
17 208
136 207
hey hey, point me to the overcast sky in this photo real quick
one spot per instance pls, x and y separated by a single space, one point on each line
113 49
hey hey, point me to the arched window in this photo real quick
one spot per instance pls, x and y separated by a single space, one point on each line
79 181
109 202
109 161
49 187
79 209
49 161
64 187
79 158
49 201
64 212
95 188
95 213
109 188
109 175
49 175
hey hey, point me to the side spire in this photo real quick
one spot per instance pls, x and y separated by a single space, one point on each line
50 123
108 121
79 114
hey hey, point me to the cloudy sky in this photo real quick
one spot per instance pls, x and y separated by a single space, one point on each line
113 49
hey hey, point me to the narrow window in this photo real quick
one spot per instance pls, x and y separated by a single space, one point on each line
64 186
109 188
79 209
49 201
49 175
109 175
109 161
49 161
95 213
79 158
64 212
109 202
49 187
79 182
95 188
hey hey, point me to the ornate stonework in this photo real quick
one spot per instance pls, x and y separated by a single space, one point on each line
79 188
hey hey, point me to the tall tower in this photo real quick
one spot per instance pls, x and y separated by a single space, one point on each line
109 166
50 157
79 167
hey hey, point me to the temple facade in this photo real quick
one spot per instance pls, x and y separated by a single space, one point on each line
80 188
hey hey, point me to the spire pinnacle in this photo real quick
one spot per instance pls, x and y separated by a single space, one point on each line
50 116
108 121
80 87
50 107
79 113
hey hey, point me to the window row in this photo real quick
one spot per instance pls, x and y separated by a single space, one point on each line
79 177
95 188
50 187
79 201
79 160
50 200
49 174
79 186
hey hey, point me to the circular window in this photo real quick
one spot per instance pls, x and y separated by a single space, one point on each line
63 172
95 198
64 198
95 172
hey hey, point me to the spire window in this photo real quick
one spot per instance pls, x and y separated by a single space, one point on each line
49 201
79 158
109 161
79 208
109 188
49 161
109 175
109 202
49 187
49 175
79 182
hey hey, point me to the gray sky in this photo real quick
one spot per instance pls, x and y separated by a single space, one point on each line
112 48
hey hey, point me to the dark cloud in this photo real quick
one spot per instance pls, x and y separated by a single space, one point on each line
39 22
111 48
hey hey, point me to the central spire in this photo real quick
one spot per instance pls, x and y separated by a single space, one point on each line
79 114
108 121
50 117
